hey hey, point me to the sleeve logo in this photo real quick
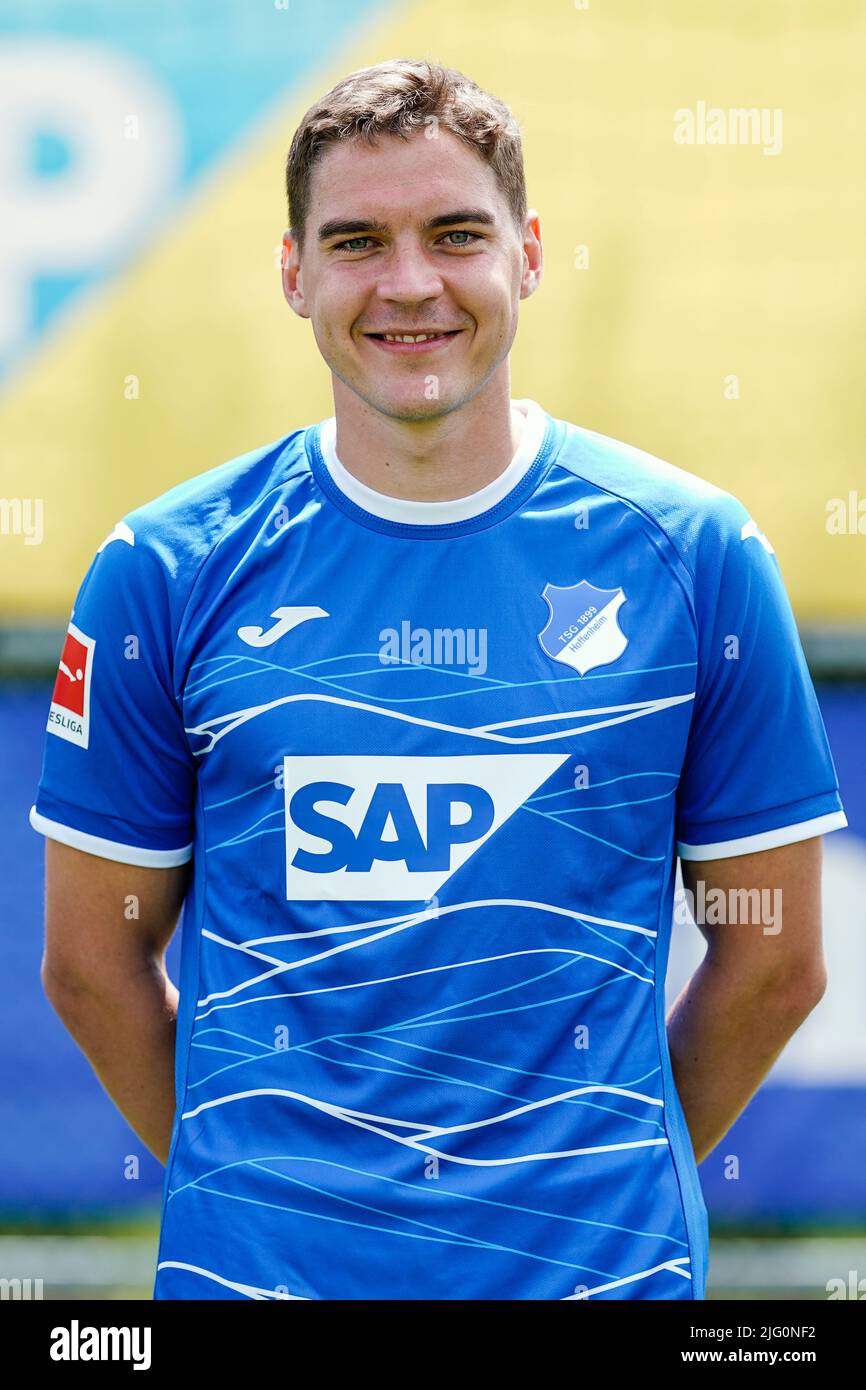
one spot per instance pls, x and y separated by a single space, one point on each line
69 715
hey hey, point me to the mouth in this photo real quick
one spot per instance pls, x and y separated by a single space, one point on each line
413 342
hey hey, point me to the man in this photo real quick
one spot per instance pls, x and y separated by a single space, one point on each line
414 709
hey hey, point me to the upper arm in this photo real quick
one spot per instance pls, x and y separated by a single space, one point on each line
758 787
103 917
761 914
757 771
116 796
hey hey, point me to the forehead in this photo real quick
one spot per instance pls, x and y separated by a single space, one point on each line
401 178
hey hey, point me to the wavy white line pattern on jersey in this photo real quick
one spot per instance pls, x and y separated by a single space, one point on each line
497 1113
253 665
385 1125
365 1121
400 924
634 710
675 1267
249 1289
445 908
414 1070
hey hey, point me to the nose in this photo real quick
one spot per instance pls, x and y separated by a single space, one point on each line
408 275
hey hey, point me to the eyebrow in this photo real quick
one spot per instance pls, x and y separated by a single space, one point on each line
356 226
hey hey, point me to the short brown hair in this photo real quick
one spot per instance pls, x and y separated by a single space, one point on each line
397 98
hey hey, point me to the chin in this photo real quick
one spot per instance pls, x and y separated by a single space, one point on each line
412 408
417 414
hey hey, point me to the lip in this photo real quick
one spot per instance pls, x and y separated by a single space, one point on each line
429 345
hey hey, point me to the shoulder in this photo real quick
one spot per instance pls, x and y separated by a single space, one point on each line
150 561
182 526
695 516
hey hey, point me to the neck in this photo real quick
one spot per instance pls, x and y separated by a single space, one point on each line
447 456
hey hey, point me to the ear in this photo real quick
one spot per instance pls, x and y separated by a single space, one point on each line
292 278
533 255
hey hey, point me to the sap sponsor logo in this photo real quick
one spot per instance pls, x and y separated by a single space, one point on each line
394 829
436 646
69 714
77 1343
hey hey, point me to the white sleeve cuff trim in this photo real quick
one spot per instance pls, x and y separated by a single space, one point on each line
766 839
109 849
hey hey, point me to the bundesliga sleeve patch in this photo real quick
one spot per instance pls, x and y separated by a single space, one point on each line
69 715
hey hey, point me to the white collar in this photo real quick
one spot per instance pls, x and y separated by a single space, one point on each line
436 513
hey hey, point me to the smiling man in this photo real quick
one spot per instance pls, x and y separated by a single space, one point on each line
419 1048
414 295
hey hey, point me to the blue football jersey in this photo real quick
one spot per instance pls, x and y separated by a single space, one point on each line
433 763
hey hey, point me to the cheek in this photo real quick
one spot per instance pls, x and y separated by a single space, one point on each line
339 306
498 290
498 309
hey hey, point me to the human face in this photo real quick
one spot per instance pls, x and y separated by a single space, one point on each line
411 236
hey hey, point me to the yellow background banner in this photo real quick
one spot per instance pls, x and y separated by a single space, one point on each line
703 301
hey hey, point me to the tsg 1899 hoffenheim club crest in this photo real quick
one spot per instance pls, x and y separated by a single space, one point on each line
583 630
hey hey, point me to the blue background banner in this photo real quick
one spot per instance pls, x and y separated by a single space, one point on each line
794 1155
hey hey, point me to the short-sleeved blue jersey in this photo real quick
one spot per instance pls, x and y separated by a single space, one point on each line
433 763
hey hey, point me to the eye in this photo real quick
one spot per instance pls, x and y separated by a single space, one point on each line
459 232
351 245
347 245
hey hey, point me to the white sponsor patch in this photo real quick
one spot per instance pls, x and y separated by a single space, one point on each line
69 715
394 829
